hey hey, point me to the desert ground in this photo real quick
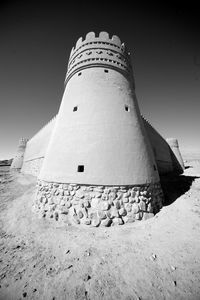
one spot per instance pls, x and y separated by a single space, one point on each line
154 259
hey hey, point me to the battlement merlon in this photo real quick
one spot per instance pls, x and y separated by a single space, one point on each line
22 142
99 51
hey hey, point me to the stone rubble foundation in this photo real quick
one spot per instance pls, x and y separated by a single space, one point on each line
97 205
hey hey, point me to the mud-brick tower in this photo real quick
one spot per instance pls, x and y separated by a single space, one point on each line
178 160
99 167
19 157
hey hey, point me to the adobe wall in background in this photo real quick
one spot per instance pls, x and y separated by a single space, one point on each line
37 145
161 149
36 149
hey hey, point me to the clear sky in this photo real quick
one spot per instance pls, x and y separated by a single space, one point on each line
36 39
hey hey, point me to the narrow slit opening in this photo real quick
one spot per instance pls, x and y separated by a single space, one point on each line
80 168
127 108
75 108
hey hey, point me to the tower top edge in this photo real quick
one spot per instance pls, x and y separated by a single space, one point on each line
102 37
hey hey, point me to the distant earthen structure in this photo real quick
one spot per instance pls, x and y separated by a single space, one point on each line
19 157
98 161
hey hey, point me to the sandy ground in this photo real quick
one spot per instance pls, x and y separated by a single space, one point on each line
155 259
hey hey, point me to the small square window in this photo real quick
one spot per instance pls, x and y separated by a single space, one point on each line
106 71
79 74
75 108
127 108
80 168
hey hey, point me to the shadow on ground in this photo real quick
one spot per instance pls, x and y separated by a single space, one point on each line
174 186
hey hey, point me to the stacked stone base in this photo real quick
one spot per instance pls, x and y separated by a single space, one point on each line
97 205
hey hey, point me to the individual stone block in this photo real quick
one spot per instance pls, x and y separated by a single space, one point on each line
66 193
135 208
70 187
137 199
128 207
80 194
65 186
128 219
56 215
131 200
122 211
104 205
127 194
125 200
86 204
56 200
106 191
63 218
112 196
63 210
97 194
61 192
80 214
49 215
46 207
114 213
98 189
76 187
105 197
68 204
147 216
96 222
87 221
117 204
55 184
119 195
75 219
107 222
62 202
142 206
133 194
117 221
52 207
139 216
95 202
101 214
149 208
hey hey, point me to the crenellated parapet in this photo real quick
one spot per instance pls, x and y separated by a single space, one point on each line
23 142
99 51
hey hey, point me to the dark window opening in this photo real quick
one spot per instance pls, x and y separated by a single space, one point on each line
106 71
80 168
127 108
75 108
79 74
154 166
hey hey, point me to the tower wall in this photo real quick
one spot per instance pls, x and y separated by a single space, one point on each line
99 125
101 135
99 166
